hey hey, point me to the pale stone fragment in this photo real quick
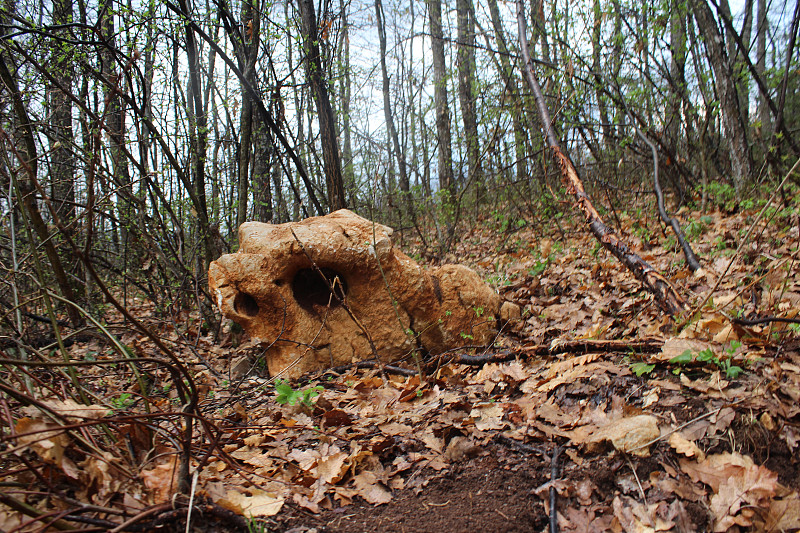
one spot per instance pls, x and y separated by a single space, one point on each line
372 295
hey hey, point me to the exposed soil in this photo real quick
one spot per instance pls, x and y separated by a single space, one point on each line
493 492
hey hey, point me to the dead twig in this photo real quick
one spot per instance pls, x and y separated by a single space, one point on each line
553 491
665 294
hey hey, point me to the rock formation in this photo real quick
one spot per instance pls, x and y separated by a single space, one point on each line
331 290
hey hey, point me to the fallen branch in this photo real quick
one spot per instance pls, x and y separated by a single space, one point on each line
765 320
691 259
666 296
650 345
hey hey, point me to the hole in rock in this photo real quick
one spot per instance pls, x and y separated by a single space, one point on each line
309 289
244 304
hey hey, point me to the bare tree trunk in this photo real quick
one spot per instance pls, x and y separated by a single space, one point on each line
677 125
115 121
779 119
62 142
262 169
395 151
198 133
510 81
345 92
327 123
440 97
741 162
247 53
762 26
605 124
62 161
466 87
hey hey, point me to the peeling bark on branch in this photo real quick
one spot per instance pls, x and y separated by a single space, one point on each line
666 296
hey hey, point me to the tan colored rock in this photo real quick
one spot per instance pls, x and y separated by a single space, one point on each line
510 312
372 295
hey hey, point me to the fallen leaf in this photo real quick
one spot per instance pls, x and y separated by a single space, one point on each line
675 346
257 503
162 480
784 514
629 435
685 447
370 488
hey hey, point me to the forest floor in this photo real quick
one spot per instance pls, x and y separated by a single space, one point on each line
594 401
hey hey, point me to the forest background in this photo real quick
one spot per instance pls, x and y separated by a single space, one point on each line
137 137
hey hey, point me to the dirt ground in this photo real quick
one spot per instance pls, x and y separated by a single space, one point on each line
493 492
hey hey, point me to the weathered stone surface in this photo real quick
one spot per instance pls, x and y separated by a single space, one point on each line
274 287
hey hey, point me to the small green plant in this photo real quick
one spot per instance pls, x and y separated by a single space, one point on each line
286 394
722 194
255 525
695 228
123 401
642 369
707 356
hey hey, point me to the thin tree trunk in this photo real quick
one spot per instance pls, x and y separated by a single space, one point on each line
27 155
741 162
345 91
115 120
440 97
62 160
62 142
596 70
395 151
467 87
510 81
198 141
762 26
327 123
247 53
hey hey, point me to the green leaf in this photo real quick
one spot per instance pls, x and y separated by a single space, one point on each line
706 356
641 369
683 359
732 372
286 394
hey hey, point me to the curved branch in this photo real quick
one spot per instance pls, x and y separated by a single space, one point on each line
691 259
665 294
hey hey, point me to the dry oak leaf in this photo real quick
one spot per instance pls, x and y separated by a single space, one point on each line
685 447
488 416
257 503
585 520
71 409
784 514
635 517
630 435
675 346
371 489
44 438
99 474
738 484
162 481
739 497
